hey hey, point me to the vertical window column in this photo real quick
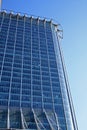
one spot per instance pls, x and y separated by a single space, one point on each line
60 73
2 19
22 63
8 121
7 34
36 76
52 104
12 65
40 64
31 68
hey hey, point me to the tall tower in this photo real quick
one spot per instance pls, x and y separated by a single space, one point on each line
34 91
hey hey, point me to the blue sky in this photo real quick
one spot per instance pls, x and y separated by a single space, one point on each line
72 15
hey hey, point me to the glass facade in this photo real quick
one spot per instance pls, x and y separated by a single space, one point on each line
34 93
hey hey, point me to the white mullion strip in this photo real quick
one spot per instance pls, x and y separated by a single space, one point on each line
35 120
57 121
31 68
2 22
40 123
49 67
12 71
40 64
22 77
22 63
5 48
23 121
48 120
8 122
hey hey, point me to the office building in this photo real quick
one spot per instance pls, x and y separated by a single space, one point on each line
34 90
